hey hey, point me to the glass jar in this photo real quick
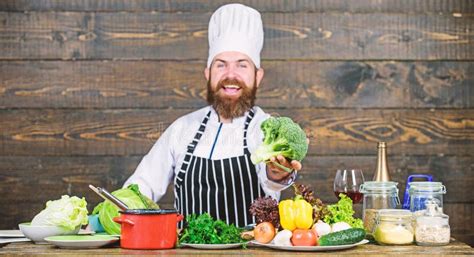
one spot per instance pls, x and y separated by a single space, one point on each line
420 192
432 226
394 227
377 195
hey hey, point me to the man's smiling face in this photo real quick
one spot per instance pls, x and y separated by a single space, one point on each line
232 84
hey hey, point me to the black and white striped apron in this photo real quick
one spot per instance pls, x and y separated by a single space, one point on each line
224 188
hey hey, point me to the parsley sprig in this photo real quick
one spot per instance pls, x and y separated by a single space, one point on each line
203 229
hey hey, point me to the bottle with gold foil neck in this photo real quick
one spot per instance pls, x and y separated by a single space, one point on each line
382 173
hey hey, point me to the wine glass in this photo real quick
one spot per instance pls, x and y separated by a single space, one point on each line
348 182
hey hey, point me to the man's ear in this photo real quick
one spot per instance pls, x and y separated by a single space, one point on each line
259 76
206 73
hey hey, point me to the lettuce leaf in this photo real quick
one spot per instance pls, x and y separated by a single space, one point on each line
343 211
67 212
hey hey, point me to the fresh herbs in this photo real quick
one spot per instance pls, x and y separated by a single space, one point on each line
203 229
265 209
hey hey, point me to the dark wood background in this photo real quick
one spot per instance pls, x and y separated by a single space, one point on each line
86 88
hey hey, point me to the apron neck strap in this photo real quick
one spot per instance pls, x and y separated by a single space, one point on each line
202 127
247 122
199 133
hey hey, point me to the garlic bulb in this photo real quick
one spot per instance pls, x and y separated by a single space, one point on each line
321 228
283 238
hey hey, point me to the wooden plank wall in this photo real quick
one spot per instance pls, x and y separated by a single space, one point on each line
86 87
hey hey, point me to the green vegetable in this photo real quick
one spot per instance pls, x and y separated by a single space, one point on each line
282 136
132 197
343 237
67 212
342 211
203 229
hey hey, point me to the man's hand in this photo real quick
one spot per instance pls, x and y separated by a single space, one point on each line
276 173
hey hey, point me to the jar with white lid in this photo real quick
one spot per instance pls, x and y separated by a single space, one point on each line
394 227
432 226
421 192
377 195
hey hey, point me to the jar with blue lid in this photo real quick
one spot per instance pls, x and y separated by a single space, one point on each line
421 192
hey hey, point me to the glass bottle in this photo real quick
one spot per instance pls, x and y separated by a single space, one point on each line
377 195
381 172
394 227
432 226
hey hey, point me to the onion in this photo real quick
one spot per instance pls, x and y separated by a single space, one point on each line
264 232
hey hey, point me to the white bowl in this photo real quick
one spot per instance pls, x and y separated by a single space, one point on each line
38 233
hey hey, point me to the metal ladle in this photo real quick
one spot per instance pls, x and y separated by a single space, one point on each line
108 196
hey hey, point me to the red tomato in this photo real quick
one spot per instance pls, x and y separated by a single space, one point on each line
304 237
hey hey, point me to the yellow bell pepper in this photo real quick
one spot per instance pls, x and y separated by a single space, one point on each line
295 214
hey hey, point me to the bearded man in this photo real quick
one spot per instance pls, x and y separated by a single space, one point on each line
206 153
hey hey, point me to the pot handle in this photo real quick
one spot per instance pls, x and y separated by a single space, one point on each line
179 218
126 221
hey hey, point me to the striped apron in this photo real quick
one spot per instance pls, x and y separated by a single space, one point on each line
223 188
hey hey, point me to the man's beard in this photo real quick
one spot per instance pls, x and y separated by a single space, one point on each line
227 107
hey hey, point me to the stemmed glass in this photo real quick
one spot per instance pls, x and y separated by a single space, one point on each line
348 182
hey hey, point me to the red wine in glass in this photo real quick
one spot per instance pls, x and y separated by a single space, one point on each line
348 182
355 196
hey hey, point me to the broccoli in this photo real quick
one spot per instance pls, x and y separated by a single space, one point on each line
282 136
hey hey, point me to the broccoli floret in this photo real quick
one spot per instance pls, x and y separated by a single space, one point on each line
281 136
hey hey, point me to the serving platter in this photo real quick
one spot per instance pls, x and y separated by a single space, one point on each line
213 246
310 248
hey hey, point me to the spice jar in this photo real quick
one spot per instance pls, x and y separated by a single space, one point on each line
394 227
377 195
420 192
432 226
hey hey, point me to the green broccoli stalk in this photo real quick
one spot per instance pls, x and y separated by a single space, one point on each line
282 136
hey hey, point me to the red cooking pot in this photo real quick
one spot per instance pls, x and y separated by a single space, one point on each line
148 229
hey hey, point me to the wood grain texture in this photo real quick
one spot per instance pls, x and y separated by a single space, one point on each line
455 248
287 84
332 131
380 6
87 87
183 36
49 177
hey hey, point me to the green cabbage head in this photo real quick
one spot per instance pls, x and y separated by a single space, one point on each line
132 197
67 212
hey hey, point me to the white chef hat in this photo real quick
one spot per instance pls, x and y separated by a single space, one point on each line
236 27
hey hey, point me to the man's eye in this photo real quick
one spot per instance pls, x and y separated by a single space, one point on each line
243 65
220 65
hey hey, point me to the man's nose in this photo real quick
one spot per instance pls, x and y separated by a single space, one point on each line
231 72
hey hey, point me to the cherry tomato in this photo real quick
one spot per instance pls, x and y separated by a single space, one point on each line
264 232
304 237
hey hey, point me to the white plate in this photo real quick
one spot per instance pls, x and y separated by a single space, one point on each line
310 248
81 241
13 240
213 246
11 233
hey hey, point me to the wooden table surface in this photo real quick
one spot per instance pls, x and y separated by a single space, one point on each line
455 248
